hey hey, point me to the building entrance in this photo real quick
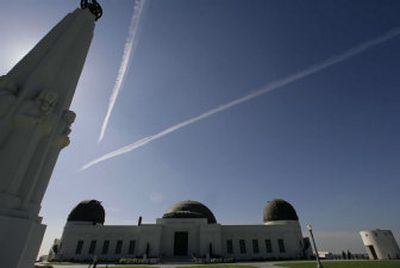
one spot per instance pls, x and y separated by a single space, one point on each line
181 244
373 252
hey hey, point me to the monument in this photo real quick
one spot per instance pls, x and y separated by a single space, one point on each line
35 122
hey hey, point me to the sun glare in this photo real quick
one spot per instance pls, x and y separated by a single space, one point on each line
19 51
13 54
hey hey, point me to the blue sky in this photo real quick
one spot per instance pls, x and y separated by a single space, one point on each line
329 143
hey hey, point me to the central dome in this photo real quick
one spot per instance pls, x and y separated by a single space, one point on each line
190 209
279 210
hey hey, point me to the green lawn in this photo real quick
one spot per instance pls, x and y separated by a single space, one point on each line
344 264
134 266
219 266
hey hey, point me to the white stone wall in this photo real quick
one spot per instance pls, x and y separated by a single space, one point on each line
73 232
288 231
211 234
160 237
383 242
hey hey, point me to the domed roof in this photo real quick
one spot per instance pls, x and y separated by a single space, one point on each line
190 209
89 211
279 210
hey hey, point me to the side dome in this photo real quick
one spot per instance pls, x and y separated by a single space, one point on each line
88 211
279 210
190 209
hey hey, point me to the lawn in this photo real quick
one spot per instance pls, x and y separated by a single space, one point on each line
219 266
134 266
192 266
344 264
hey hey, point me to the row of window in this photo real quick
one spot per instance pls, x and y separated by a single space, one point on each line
106 246
256 248
132 243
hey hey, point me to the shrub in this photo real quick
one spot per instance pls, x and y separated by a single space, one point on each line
139 261
214 260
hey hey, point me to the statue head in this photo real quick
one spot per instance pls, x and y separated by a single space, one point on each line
69 117
47 101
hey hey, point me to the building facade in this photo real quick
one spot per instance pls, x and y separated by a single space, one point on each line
188 229
380 244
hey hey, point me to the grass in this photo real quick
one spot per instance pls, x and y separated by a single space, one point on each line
219 266
344 264
134 266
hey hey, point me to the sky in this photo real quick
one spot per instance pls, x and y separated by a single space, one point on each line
328 143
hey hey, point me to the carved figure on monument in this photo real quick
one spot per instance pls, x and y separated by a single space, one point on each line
69 118
47 101
40 107
62 140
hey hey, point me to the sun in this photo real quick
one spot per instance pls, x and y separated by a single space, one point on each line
19 51
13 53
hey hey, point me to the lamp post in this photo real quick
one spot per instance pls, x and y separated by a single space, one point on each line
319 264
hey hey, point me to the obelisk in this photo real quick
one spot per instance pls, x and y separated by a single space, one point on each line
35 122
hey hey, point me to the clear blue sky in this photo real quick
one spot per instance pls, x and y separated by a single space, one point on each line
329 144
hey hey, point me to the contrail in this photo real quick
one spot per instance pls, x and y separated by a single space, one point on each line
267 88
129 48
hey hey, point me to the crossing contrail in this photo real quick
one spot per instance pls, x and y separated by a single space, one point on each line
267 88
129 48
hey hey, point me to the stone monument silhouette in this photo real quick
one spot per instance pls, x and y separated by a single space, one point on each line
35 122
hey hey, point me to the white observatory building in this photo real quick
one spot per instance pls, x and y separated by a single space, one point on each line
380 244
188 229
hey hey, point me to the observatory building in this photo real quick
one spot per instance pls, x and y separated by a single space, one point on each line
380 244
188 229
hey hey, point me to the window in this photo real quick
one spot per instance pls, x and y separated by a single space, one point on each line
256 249
118 247
148 249
268 245
106 245
131 249
229 246
281 244
242 246
79 247
92 247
